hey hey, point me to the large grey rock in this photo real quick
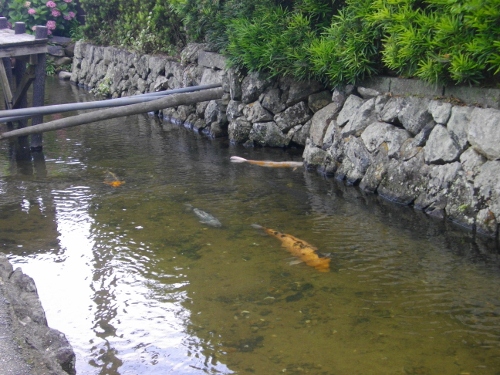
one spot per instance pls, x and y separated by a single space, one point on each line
415 114
211 60
189 55
320 121
300 90
367 93
359 158
363 116
141 65
254 112
313 156
441 147
45 349
211 76
403 181
156 66
252 86
486 222
462 203
349 109
458 125
380 132
376 171
335 153
389 112
239 130
215 112
434 197
267 134
301 133
319 100
234 110
272 101
484 132
328 138
487 184
440 111
296 114
471 163
57 51
160 84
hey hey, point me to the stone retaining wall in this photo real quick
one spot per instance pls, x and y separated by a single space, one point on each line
29 345
438 154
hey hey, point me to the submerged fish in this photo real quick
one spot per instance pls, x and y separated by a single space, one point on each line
205 217
112 180
306 252
268 163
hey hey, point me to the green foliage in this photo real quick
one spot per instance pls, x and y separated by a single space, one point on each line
335 41
145 26
100 18
275 40
76 31
50 67
57 15
103 88
440 40
348 50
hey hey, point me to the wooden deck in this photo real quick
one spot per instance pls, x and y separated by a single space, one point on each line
22 65
12 44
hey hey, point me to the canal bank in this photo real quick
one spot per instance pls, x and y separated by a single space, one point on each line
149 289
28 346
433 148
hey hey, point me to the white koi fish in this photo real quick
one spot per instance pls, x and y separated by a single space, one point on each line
268 163
205 217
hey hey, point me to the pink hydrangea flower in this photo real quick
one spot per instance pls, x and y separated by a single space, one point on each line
51 25
70 16
31 11
50 4
55 13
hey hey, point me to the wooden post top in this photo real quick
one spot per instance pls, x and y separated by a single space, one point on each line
17 43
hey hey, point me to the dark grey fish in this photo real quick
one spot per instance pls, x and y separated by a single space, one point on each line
205 217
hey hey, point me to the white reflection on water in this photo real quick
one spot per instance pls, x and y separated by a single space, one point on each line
133 324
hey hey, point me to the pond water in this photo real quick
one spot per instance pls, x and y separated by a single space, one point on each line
140 286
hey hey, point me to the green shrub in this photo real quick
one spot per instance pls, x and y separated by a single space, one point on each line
277 37
100 19
348 50
440 40
145 26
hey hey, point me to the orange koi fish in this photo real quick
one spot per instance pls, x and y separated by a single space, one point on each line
112 180
299 248
268 163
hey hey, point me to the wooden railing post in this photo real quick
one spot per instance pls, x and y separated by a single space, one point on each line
39 88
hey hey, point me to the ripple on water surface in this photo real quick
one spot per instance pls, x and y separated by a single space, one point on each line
149 289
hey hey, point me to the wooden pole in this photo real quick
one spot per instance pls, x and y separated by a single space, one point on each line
38 88
133 109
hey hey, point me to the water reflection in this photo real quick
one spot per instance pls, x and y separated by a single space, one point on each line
140 286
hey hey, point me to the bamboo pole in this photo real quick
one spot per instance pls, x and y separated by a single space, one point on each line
20 113
133 109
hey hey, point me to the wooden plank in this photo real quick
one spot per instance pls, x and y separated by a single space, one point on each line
23 86
5 85
12 44
22 50
36 142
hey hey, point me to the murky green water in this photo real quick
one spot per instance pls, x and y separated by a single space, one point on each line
140 286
